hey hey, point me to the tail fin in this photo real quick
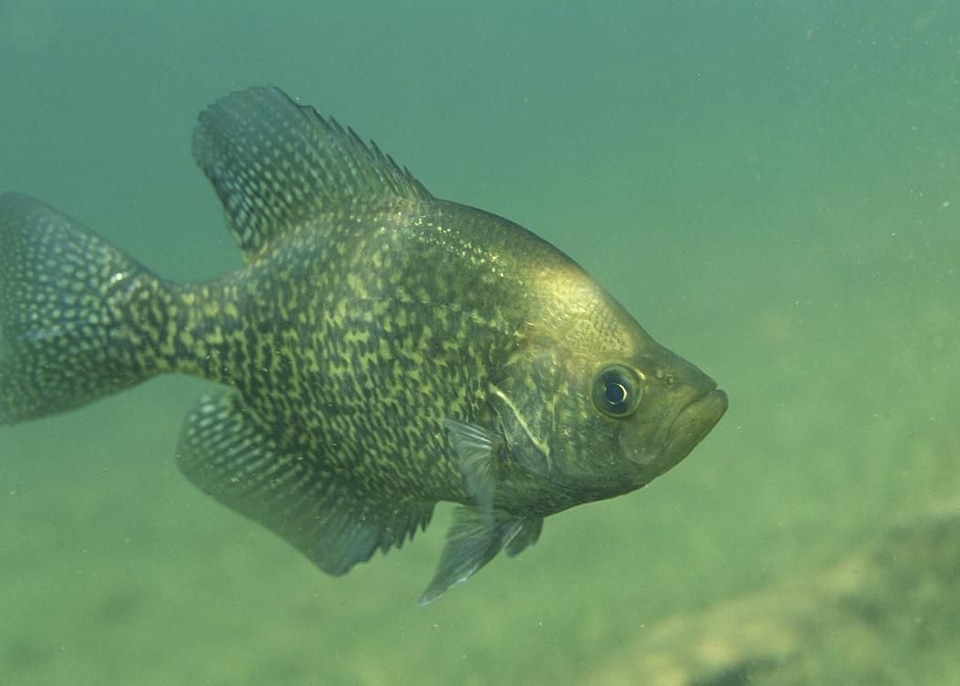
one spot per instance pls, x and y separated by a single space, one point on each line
66 332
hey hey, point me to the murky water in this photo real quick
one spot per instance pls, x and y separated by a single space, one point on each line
772 189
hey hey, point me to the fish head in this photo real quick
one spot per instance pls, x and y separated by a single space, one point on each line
657 406
597 408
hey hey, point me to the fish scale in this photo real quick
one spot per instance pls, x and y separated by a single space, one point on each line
381 351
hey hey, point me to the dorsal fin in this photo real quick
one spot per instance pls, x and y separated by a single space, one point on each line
276 164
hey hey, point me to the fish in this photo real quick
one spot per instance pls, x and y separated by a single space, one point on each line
380 351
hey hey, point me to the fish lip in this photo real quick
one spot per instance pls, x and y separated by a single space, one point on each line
689 426
693 423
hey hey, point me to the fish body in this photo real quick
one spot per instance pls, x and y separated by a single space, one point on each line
381 351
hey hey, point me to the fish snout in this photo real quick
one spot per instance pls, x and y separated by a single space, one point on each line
701 405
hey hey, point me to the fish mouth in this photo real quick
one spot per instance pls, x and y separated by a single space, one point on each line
661 452
692 423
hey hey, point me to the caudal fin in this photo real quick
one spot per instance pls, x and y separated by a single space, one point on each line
67 333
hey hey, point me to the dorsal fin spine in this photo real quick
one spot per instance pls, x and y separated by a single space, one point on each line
276 164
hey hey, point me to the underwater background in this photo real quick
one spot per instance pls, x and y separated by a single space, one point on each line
772 188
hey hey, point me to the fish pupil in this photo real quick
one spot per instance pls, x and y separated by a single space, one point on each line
616 393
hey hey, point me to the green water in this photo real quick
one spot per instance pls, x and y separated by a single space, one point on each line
772 188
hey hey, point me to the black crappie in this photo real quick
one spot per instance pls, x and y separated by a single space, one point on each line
381 351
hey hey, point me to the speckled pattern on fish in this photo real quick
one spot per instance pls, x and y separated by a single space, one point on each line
382 350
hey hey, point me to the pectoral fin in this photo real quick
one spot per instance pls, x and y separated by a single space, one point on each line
475 538
477 450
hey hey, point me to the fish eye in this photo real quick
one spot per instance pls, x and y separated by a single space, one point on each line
617 390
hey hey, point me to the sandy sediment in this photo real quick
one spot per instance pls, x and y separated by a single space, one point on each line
855 623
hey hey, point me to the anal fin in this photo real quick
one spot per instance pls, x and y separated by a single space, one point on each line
227 454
